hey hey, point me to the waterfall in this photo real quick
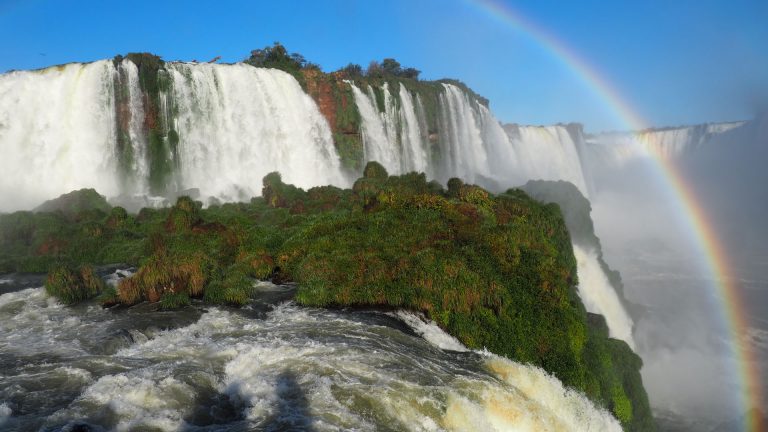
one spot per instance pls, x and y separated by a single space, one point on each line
133 110
549 153
413 145
217 128
393 137
599 296
615 149
57 133
472 145
461 139
237 123
376 143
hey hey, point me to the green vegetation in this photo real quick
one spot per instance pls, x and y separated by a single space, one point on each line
390 67
577 214
71 285
276 56
494 271
616 381
75 203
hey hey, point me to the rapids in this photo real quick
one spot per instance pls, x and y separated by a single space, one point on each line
269 366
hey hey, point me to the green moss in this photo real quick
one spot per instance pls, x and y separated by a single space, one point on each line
350 149
160 165
154 80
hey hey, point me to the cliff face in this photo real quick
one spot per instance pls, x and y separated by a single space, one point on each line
405 106
336 103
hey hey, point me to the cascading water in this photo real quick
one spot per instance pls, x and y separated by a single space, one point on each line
269 366
392 137
237 123
133 112
599 296
87 125
461 140
57 133
376 142
471 145
549 153
413 145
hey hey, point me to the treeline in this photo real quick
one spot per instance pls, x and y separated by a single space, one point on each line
277 56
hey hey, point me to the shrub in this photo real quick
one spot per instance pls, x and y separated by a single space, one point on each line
71 285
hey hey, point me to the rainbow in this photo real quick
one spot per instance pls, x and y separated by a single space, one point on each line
702 231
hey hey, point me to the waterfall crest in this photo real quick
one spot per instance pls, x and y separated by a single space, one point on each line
616 149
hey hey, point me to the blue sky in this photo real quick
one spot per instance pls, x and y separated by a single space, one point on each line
674 61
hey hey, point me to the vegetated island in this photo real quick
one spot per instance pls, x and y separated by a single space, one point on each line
495 271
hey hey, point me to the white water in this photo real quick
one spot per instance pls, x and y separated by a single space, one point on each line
549 153
57 133
461 137
393 137
376 143
413 145
430 331
293 368
472 144
237 123
5 413
599 297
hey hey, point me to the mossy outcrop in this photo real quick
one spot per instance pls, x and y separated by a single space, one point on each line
76 204
495 271
577 211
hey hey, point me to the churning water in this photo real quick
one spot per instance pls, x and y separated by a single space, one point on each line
269 366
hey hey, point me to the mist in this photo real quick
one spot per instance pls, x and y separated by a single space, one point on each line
689 364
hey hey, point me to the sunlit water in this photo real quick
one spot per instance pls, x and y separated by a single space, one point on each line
269 366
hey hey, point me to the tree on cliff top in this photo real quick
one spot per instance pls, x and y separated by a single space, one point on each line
390 67
277 57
